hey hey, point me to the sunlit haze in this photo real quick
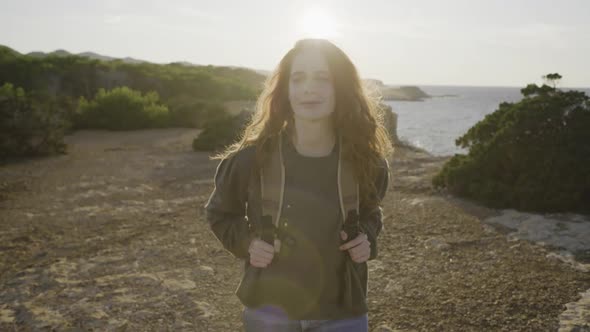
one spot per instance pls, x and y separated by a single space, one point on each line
456 42
319 23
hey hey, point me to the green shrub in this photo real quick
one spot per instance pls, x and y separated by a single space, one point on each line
531 155
31 124
186 111
121 109
220 131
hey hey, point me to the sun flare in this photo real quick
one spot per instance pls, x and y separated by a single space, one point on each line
318 23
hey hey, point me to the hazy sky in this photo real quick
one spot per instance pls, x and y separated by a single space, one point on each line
458 42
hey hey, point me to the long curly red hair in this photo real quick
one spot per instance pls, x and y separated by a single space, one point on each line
357 117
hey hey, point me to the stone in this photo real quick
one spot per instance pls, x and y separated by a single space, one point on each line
437 244
383 328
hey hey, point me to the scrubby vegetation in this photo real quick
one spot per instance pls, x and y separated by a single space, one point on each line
221 131
529 155
31 124
58 93
121 109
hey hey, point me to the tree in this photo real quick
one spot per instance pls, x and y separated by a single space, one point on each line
552 79
530 155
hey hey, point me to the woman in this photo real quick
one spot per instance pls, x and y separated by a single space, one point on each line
315 117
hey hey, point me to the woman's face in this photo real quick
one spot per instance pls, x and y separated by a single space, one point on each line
311 90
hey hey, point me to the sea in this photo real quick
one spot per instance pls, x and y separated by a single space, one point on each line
435 123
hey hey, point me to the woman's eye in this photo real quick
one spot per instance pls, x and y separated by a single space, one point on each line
299 79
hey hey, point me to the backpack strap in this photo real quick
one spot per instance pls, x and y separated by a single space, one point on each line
272 180
348 187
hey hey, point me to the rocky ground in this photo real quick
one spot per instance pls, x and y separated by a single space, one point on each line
112 237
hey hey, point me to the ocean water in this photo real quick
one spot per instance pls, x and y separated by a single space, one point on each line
435 123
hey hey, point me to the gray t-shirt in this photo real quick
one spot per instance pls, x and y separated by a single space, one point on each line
305 278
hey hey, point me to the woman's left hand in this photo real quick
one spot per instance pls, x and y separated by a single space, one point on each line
359 248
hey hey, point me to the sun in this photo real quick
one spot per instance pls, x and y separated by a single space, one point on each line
318 23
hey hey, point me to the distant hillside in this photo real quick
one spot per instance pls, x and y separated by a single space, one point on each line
96 56
263 72
90 55
119 74
8 52
403 93
63 73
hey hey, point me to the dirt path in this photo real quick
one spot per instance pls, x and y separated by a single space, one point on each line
112 237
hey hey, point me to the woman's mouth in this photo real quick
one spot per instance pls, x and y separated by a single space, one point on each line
310 103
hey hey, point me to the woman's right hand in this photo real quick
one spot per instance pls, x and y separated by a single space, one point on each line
261 253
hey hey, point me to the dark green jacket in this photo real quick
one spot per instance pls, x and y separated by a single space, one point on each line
305 279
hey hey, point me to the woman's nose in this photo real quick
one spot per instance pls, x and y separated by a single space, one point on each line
309 86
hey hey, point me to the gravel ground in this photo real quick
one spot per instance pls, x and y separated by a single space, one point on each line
112 237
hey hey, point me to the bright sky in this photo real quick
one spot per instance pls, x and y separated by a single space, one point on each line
455 42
